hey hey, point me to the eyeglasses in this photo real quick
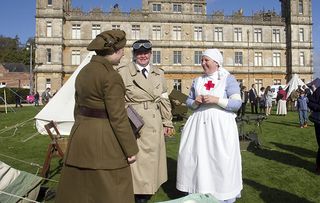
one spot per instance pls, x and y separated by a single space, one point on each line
146 45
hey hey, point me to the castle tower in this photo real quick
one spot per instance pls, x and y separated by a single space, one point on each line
49 43
298 15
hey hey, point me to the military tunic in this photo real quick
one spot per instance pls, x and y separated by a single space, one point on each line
148 96
96 168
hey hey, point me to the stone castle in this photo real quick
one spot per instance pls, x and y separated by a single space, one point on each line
263 49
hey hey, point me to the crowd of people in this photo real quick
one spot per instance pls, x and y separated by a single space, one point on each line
262 101
34 98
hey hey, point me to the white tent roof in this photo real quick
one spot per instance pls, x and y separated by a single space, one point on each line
293 84
60 107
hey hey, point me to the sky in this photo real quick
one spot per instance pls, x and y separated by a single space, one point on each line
20 20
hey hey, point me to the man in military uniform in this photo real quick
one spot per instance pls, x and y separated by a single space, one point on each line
102 144
146 91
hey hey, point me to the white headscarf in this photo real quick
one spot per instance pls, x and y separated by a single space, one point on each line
216 55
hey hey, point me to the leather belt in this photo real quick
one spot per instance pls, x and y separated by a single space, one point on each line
145 104
95 113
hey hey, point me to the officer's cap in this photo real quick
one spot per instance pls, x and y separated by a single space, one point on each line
110 40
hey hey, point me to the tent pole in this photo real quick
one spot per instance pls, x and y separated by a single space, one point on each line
5 100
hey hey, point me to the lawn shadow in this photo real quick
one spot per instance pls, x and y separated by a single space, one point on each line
282 157
297 150
286 123
52 172
273 195
169 187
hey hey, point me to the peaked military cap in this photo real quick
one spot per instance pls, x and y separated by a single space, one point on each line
110 40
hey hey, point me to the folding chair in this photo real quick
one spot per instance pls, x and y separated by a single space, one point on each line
57 147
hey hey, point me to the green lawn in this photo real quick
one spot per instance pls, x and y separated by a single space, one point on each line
281 171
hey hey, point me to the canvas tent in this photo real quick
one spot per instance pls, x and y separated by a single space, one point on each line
17 186
60 107
293 84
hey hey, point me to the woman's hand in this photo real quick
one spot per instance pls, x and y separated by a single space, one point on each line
168 132
198 100
131 159
208 99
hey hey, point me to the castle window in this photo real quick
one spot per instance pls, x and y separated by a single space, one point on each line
177 8
300 7
237 34
197 57
76 31
49 2
258 83
257 35
75 57
177 84
49 55
115 27
96 29
276 35
258 58
156 7
135 32
277 81
177 57
156 57
176 35
276 59
301 59
49 29
197 8
156 32
218 34
238 58
48 83
240 82
197 33
301 34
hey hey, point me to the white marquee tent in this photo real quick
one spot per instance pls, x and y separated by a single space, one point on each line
60 107
293 84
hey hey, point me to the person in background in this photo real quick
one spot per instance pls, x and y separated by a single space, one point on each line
36 98
314 105
18 99
262 100
253 98
293 98
282 102
146 91
209 159
302 106
307 90
268 95
46 96
102 145
244 99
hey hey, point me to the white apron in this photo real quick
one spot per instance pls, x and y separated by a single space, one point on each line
209 159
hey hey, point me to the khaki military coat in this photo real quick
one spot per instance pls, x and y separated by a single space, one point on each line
148 96
99 144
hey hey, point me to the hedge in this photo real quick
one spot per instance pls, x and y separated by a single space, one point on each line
10 94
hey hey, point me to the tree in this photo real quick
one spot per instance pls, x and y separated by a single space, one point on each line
11 51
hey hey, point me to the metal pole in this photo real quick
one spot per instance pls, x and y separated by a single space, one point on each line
248 59
31 78
5 100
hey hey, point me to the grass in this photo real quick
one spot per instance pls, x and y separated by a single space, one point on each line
281 171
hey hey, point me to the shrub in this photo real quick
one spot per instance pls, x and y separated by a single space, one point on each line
10 94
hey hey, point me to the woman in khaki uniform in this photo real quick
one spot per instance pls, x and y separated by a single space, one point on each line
146 91
102 144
